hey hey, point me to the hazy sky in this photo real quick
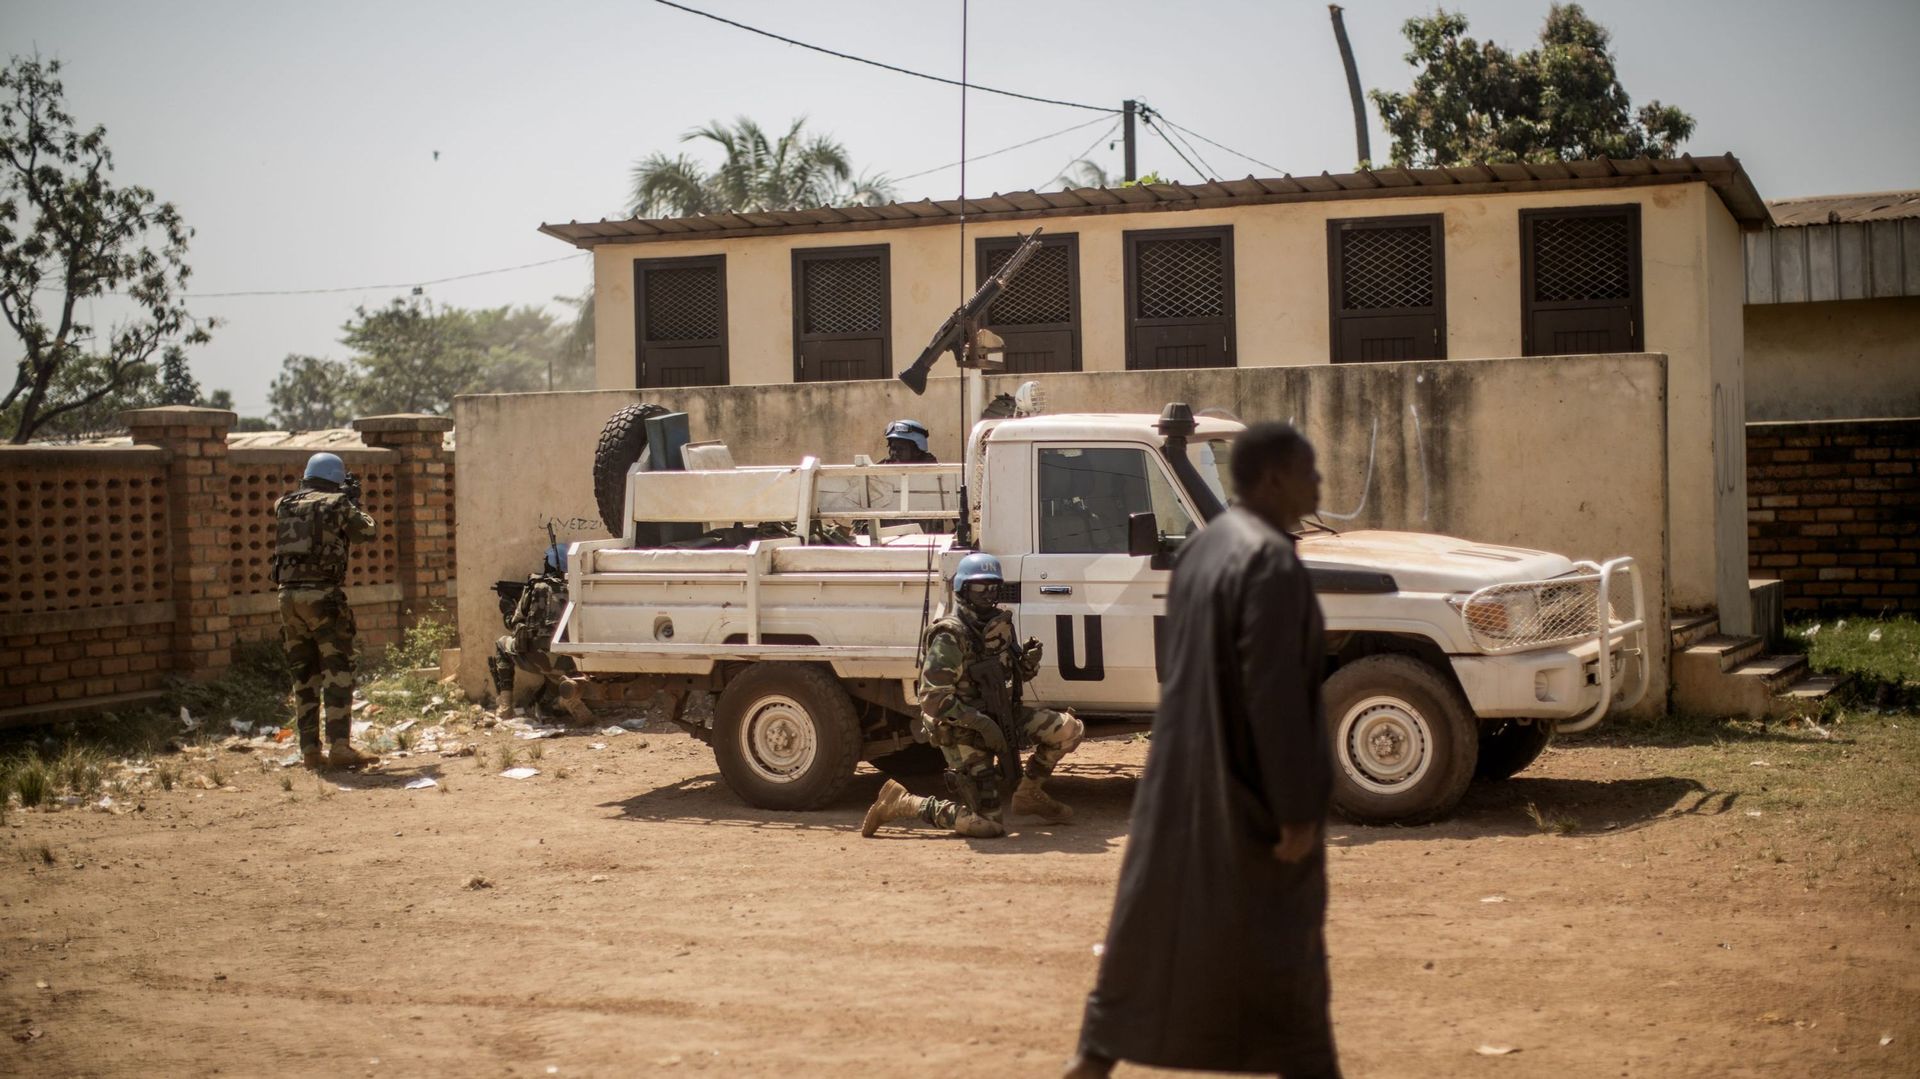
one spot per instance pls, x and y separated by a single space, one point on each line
299 140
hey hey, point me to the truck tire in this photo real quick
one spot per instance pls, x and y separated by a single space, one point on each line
622 441
912 762
785 736
1404 741
1508 747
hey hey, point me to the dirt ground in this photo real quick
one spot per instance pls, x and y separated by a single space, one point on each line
1678 910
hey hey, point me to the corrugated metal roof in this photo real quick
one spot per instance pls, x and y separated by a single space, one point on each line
1837 209
1723 173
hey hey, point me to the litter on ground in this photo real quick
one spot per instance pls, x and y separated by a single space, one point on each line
422 783
522 772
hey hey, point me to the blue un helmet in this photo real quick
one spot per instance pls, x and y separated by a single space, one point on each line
556 561
909 431
978 580
326 466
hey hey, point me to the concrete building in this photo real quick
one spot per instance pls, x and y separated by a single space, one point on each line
1390 265
1833 309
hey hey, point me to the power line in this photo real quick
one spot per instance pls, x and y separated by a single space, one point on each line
1147 118
995 153
1082 155
1229 149
1212 173
378 288
878 64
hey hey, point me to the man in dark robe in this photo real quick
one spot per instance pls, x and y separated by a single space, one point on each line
1215 956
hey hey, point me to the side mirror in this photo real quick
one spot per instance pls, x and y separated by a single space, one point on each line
1143 535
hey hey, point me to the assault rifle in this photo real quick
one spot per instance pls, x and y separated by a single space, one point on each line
352 488
961 334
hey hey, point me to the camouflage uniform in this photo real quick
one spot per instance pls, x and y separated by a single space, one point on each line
314 529
952 710
525 647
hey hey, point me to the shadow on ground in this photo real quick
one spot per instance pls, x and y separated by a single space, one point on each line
1526 805
1100 794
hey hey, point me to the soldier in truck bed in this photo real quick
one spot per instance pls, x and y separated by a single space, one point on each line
956 710
529 633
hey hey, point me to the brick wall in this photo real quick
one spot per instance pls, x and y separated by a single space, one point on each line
1833 510
124 565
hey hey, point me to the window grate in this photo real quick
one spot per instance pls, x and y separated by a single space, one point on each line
1041 294
1386 268
1181 278
1588 257
844 295
683 304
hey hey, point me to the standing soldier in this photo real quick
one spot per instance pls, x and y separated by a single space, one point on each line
529 633
969 693
315 527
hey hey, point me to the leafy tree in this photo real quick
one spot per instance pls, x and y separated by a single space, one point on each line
411 356
177 384
311 394
67 234
798 171
1475 102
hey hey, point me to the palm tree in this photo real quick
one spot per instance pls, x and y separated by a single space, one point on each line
800 171
1084 173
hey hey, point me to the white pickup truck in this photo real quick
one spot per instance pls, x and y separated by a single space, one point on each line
803 609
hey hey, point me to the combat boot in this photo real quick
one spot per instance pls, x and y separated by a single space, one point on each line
974 826
577 709
894 803
342 755
311 758
1030 798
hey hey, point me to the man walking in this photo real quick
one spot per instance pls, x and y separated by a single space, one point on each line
315 527
971 720
1215 956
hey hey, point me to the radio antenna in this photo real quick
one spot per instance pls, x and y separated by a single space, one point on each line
963 531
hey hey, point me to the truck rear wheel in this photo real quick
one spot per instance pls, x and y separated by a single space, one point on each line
785 736
622 441
1507 748
1404 742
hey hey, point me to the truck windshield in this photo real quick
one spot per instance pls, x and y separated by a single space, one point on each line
1212 458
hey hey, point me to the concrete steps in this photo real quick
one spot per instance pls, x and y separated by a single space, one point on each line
1719 674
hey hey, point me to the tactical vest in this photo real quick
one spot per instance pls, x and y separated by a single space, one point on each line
310 538
995 636
538 611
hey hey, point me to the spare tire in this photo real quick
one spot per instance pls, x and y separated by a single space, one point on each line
622 441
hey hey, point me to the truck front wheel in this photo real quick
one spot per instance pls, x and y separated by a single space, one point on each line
1404 742
785 736
1507 749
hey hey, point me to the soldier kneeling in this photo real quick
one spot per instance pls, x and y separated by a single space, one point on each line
967 690
530 626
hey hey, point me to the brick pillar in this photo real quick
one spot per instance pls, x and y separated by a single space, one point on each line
199 551
420 528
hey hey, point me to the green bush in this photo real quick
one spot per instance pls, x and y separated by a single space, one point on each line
420 645
31 781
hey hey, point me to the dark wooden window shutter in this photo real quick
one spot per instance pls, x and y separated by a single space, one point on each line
680 314
1179 286
1039 314
1580 280
1387 281
842 314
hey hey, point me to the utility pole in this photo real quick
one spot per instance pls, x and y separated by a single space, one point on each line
1353 87
1127 109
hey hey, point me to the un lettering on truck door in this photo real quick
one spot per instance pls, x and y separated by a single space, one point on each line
1094 605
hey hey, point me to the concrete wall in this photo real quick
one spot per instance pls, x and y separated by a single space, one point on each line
1840 360
1725 294
1692 282
1565 454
